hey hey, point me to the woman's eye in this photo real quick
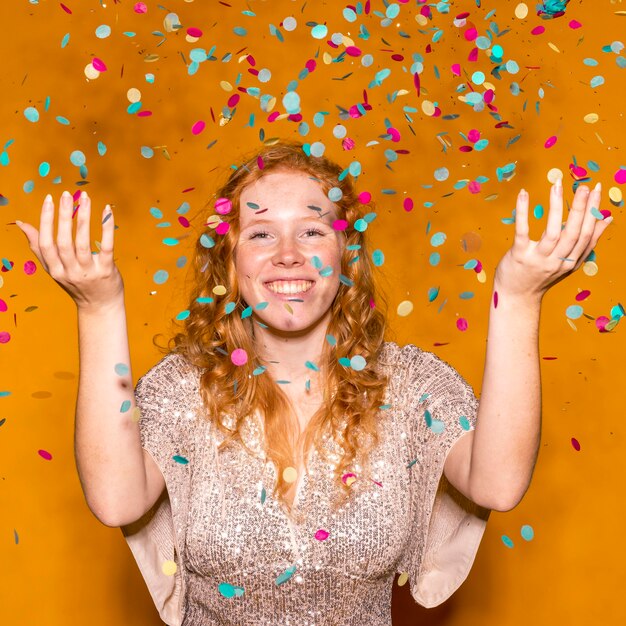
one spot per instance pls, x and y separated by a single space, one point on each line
314 231
260 235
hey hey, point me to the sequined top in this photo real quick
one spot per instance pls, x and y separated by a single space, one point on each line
241 560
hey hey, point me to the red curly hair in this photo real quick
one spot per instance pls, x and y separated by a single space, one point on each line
351 398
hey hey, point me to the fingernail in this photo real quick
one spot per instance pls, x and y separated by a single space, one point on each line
522 192
557 183
83 195
48 198
608 220
598 187
18 222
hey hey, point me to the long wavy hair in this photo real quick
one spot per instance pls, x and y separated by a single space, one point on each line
216 325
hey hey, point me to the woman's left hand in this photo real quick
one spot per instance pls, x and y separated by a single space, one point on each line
530 268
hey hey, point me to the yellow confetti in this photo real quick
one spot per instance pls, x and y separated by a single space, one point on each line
290 474
133 95
553 47
91 72
151 58
421 19
612 324
219 290
591 118
405 308
572 324
482 277
615 195
327 58
428 107
521 11
288 308
554 174
169 568
225 85
402 579
590 268
135 414
346 41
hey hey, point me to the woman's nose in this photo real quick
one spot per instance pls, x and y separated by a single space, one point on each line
288 253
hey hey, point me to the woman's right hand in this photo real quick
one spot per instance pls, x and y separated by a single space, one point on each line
92 280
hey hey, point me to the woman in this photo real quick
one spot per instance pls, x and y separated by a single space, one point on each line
289 461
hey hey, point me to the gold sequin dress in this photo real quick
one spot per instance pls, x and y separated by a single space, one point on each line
241 560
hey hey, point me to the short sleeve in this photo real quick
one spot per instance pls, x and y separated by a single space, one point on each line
440 408
166 397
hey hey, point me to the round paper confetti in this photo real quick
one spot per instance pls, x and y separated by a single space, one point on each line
404 308
169 568
527 532
239 356
290 474
321 534
402 579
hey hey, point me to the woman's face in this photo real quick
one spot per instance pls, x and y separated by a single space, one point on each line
288 254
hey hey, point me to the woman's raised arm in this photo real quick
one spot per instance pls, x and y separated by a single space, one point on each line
494 465
119 480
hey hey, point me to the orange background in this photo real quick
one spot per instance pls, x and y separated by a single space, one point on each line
59 565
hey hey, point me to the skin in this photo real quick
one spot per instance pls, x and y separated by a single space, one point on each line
491 465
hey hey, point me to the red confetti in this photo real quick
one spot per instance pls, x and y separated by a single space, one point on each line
407 205
44 454
495 299
583 295
575 444
538 30
66 9
194 32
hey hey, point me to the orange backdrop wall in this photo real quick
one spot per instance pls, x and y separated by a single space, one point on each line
446 127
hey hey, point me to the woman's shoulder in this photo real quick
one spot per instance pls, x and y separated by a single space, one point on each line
172 368
393 354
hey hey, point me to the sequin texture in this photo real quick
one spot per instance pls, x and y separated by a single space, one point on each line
222 526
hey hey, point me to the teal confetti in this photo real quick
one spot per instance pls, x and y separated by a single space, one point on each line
507 541
160 277
31 114
183 315
527 532
180 459
286 575
125 406
358 363
121 369
230 591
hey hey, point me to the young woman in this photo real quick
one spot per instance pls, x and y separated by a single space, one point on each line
288 461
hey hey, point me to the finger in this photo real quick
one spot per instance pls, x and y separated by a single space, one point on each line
83 247
600 227
592 211
49 253
521 220
572 231
32 236
65 243
550 237
106 245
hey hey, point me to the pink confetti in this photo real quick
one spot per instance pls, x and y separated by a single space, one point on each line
222 228
456 69
233 100
140 7
239 356
30 268
5 337
198 127
575 24
479 267
395 134
470 34
310 65
353 51
194 32
347 476
365 197
583 295
144 114
260 163
620 176
495 299
489 95
44 454
183 221
577 172
550 142
99 64
462 324
473 55
66 9
3 306
322 535
474 187
575 444
340 225
223 206
473 135
348 143
538 30
601 323
272 116
407 204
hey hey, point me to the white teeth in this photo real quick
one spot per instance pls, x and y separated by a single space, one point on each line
289 287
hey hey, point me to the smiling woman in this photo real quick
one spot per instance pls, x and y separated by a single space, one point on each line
288 461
